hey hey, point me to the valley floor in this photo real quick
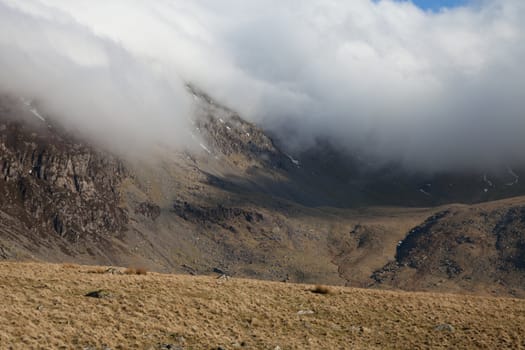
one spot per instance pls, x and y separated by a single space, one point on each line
43 306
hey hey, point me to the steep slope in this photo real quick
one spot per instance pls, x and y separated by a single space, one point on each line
56 194
64 199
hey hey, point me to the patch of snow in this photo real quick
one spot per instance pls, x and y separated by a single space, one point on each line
228 128
36 114
222 121
487 181
205 148
516 177
248 134
32 109
294 161
424 192
399 243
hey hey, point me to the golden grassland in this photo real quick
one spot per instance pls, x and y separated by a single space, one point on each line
43 306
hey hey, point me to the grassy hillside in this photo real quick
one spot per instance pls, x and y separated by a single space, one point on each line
44 306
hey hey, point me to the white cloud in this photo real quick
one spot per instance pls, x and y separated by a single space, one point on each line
89 83
434 90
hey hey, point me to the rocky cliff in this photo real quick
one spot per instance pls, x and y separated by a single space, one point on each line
54 185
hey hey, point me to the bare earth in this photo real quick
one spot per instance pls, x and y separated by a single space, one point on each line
43 306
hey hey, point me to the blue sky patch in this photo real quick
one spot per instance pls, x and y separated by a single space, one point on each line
436 5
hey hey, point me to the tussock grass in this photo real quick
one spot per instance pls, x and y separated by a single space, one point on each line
321 290
70 266
135 271
45 307
97 270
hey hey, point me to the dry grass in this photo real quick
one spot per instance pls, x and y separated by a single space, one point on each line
321 290
135 271
45 307
97 270
70 266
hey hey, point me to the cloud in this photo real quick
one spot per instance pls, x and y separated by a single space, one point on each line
91 84
433 90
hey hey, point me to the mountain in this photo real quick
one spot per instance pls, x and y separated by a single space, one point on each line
236 202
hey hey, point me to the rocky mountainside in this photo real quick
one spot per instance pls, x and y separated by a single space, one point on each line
55 186
236 203
463 248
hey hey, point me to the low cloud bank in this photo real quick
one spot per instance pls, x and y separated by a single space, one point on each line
89 83
433 90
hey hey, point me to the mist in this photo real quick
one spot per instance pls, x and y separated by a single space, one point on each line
434 90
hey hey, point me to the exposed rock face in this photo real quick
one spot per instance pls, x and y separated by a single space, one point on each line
217 215
510 239
148 210
235 139
417 238
55 184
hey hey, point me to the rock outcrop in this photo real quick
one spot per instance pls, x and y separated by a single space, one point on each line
55 184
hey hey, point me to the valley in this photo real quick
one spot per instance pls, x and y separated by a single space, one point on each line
237 203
